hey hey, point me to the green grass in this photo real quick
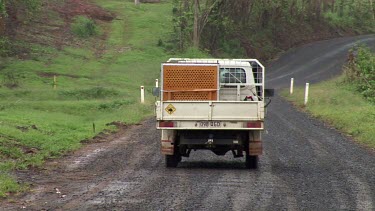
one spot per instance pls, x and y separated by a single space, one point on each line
39 122
341 106
8 185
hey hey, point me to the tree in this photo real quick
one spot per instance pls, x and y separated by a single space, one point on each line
196 26
201 17
372 6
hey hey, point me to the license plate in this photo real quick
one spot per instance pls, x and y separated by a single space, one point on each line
208 124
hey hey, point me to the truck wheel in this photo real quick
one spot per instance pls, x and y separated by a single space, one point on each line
251 162
171 161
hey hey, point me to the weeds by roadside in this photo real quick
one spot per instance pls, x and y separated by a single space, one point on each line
346 102
360 71
8 184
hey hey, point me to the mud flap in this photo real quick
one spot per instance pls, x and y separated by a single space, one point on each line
167 142
255 143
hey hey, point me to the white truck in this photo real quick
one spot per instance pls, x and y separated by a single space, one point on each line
211 104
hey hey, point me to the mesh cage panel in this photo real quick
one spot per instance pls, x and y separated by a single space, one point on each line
193 96
258 77
190 83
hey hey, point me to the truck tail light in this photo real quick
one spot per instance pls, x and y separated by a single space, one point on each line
254 124
166 124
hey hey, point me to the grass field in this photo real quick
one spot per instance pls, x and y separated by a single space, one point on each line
341 106
39 122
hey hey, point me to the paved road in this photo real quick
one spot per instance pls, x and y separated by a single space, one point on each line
314 62
306 166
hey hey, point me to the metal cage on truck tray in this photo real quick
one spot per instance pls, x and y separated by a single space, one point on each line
199 82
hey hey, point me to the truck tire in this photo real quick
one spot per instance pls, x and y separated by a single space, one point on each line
171 161
251 162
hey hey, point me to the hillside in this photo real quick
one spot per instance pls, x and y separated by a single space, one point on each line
98 79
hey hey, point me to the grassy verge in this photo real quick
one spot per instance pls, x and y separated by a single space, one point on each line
341 106
39 122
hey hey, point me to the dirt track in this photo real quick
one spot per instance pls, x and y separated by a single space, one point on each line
305 165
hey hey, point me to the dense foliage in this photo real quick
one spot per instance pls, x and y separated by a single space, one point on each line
224 26
361 71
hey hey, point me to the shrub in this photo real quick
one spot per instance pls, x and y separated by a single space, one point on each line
341 22
10 47
358 22
11 79
361 71
84 27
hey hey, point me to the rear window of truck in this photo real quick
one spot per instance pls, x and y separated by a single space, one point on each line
232 75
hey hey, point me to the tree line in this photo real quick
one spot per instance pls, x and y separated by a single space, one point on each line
212 23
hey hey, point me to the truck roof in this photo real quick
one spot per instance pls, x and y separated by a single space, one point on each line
229 62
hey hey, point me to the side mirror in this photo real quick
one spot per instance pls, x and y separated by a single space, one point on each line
156 91
269 92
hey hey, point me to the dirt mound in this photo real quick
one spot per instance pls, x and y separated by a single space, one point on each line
72 8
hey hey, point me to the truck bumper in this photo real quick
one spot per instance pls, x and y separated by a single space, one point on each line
210 125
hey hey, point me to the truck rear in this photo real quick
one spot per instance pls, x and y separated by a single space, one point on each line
211 104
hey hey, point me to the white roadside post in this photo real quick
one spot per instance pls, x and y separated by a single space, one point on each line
156 83
291 85
142 94
307 93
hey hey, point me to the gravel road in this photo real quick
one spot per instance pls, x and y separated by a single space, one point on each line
305 166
